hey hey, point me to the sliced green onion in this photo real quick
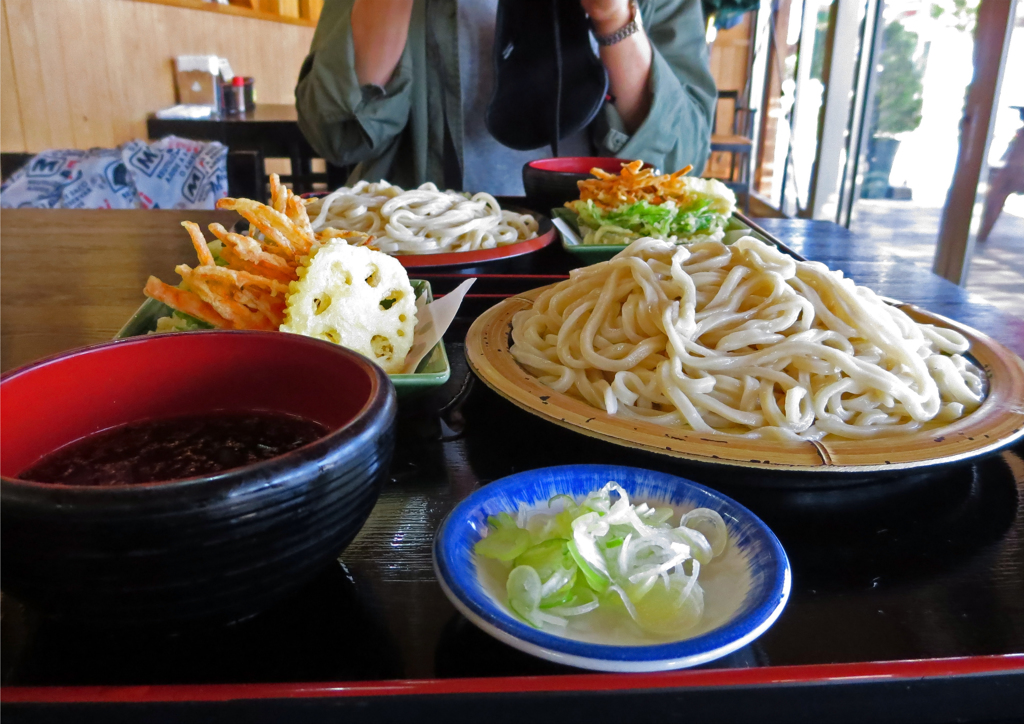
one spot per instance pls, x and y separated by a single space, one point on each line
628 556
505 541
569 502
598 582
547 557
709 524
523 588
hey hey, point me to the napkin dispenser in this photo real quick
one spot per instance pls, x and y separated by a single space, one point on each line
196 77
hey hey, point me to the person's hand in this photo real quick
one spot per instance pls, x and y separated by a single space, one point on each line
607 15
628 62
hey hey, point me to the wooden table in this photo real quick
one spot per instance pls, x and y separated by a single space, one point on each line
271 129
906 600
72 278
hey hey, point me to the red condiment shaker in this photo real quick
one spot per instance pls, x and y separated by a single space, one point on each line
237 91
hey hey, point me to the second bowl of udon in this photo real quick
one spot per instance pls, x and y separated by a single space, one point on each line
428 227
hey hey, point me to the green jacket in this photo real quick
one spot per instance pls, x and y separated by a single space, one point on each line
399 134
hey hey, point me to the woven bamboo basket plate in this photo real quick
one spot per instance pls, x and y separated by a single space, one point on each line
997 423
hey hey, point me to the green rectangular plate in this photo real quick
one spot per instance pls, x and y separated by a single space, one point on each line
592 253
433 370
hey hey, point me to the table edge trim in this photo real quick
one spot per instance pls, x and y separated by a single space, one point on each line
759 676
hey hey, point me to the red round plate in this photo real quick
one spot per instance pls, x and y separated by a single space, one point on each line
545 235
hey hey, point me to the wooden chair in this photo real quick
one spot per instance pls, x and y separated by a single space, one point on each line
1004 180
11 162
737 144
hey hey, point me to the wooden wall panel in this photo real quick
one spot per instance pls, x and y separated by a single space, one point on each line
84 73
730 63
83 43
125 94
289 8
10 109
20 41
42 97
311 9
730 55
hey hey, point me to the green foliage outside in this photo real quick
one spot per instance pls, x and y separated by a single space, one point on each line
962 13
725 11
898 97
820 37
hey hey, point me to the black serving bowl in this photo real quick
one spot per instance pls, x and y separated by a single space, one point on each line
551 182
215 548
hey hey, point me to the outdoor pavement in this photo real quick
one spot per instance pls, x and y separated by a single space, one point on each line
997 269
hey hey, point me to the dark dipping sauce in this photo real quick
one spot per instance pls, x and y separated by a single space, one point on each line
173 448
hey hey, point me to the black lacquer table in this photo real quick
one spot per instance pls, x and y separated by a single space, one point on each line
907 603
270 130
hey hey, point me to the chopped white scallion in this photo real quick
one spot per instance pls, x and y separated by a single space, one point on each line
580 556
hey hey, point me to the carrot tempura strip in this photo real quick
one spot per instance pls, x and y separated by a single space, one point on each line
354 238
296 211
237 278
276 227
632 184
278 193
236 262
250 249
272 308
199 242
219 296
184 301
631 169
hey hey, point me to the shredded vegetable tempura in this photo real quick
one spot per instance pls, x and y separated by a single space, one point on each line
616 209
242 280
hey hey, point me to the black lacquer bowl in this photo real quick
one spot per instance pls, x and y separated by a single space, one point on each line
215 548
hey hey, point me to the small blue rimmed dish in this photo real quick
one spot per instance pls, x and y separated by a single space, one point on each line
745 588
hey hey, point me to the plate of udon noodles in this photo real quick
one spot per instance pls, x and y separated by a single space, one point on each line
427 226
740 354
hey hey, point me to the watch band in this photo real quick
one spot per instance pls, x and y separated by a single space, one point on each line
635 25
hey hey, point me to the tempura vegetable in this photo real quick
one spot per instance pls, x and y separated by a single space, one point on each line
616 209
242 280
356 297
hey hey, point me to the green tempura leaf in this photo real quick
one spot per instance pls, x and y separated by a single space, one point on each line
189 323
660 221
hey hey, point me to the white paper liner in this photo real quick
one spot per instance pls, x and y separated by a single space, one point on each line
432 321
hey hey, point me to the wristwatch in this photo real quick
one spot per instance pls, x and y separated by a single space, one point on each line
635 25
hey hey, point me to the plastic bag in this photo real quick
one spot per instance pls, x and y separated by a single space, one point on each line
173 173
176 173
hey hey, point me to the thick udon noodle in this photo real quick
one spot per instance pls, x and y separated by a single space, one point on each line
421 221
742 339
